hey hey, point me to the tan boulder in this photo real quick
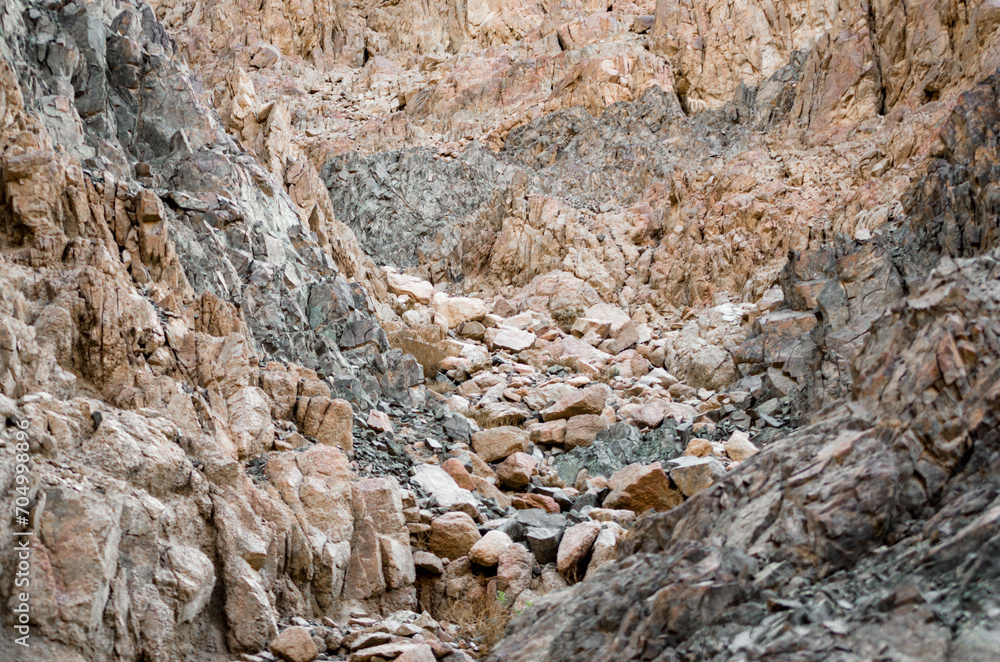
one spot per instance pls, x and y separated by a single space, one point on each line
331 422
581 430
515 471
640 487
453 535
739 447
583 401
574 549
295 644
487 550
414 287
552 433
459 473
456 310
497 443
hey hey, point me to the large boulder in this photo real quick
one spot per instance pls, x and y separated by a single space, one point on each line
488 549
453 535
453 311
515 471
498 443
438 483
295 644
642 487
416 288
589 400
694 474
574 549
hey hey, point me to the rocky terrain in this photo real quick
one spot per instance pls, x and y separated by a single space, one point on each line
660 330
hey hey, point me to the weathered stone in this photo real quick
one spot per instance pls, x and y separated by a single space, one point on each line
639 488
694 474
488 549
739 447
574 549
452 535
581 430
497 443
294 644
516 470
437 483
584 401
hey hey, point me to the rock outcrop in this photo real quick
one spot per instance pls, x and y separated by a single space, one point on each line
667 329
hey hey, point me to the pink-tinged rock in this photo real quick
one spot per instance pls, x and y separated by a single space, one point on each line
584 401
648 415
414 287
455 310
513 340
453 535
552 433
739 447
330 421
379 421
574 549
581 430
529 501
497 443
295 644
515 472
486 552
605 546
455 469
640 487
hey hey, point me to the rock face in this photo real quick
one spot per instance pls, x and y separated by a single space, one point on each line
689 303
874 496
